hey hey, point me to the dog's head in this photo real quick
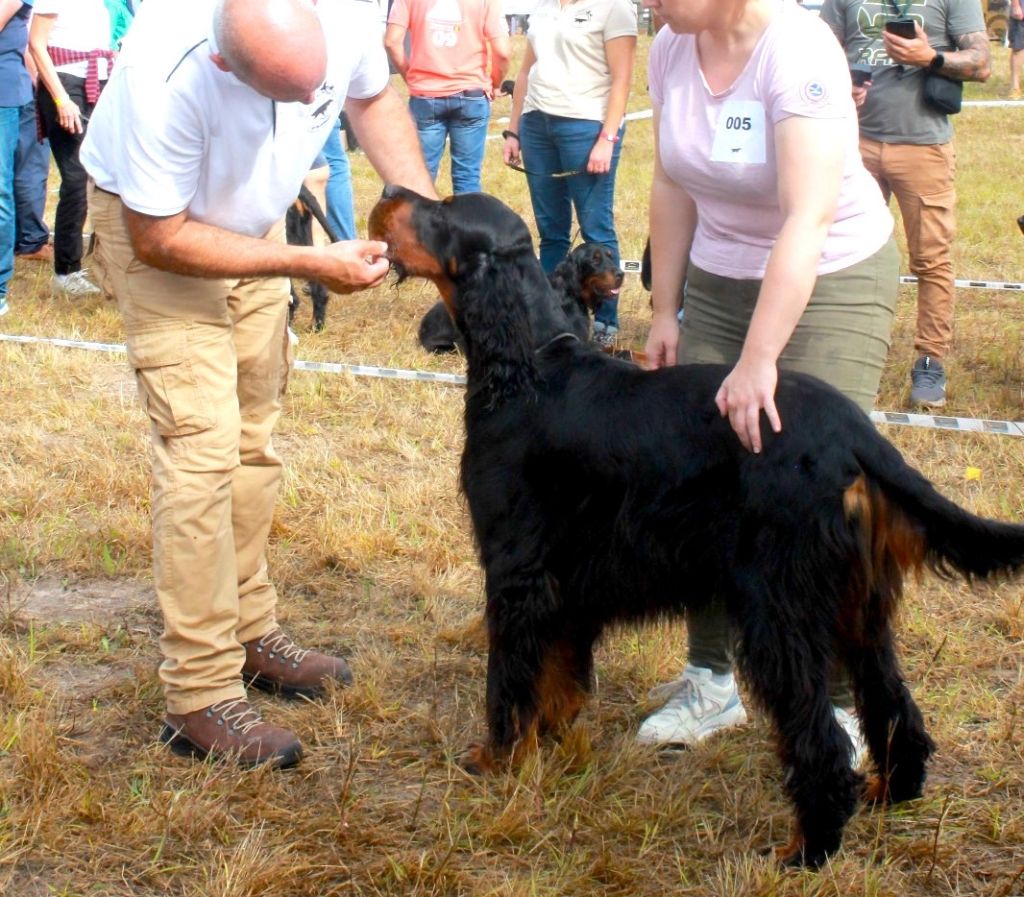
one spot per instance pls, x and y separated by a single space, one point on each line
592 274
446 241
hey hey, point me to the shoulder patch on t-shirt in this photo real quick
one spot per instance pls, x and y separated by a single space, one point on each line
814 92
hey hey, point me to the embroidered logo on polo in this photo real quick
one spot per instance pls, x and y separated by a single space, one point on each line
584 17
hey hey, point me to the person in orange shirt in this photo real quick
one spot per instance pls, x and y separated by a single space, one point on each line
458 54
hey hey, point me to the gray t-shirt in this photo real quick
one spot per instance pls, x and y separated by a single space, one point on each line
895 111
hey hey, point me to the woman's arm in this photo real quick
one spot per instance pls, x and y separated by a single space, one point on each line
673 219
810 156
510 151
68 114
620 53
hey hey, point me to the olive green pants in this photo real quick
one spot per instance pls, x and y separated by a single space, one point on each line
842 338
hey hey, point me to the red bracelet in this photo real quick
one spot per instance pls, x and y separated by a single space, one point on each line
611 138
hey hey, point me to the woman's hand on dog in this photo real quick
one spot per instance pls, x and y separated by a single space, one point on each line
662 341
749 387
351 265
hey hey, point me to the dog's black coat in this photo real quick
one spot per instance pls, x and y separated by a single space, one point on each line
299 232
603 494
581 280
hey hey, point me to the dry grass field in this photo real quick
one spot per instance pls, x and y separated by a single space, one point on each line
371 552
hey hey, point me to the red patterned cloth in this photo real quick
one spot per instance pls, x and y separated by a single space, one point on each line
63 56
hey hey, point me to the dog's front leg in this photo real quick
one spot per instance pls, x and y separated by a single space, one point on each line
520 644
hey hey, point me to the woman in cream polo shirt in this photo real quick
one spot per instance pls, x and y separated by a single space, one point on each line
567 116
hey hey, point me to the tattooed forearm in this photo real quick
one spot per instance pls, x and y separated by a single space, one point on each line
971 61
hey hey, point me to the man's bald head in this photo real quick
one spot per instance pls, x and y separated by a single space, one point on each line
277 47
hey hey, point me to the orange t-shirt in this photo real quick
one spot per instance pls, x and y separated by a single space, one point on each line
449 39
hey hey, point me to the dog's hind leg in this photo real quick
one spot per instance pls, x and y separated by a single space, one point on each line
564 682
784 657
891 721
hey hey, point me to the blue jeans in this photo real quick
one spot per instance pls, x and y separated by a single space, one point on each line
463 121
552 144
31 169
340 214
9 117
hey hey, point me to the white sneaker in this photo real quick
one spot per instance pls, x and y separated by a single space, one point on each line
696 708
850 723
74 284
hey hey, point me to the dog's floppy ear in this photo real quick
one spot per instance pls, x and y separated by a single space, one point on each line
491 312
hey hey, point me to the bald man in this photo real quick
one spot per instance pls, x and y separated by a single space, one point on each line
210 121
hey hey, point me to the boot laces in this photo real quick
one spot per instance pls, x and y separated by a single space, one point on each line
279 643
238 713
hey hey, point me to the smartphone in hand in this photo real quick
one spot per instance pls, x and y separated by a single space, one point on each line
903 27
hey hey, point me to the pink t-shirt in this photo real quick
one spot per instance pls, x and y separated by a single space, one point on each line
449 43
720 148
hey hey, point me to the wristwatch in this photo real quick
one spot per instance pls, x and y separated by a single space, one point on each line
938 61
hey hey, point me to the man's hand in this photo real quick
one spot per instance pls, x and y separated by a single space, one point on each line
352 265
909 51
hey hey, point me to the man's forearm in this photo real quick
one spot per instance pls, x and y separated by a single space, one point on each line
972 60
388 137
194 249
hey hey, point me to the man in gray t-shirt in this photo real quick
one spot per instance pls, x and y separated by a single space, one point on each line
907 145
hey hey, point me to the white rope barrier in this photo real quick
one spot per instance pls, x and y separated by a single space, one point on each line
897 418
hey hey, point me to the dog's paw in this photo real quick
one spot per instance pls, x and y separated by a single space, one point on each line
478 760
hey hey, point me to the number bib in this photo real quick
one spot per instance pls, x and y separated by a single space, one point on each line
740 135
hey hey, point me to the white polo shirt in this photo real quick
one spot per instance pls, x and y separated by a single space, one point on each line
171 131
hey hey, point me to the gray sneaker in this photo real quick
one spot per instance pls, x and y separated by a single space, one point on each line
928 382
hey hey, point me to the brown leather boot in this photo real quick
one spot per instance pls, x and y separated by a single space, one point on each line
234 729
276 664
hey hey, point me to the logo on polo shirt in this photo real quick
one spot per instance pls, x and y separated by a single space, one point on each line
323 103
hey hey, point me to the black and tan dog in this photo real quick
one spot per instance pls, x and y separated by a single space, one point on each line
808 542
583 280
299 232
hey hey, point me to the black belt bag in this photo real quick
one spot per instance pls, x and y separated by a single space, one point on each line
943 94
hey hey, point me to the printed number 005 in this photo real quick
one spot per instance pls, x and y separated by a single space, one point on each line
735 123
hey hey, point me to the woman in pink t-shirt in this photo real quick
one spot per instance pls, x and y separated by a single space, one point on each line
765 222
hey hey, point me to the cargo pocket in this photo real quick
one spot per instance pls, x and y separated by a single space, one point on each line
290 340
167 384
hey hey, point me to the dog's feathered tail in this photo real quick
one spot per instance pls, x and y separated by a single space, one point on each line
911 524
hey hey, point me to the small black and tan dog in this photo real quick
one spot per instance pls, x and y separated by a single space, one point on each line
583 280
299 232
603 494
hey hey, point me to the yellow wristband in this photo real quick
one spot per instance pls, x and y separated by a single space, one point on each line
58 102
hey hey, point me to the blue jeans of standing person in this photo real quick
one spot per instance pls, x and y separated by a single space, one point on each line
340 214
9 117
552 144
461 119
31 170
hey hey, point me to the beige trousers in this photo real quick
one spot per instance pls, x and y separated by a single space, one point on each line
211 363
923 180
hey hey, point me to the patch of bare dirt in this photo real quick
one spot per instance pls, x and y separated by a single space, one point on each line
53 599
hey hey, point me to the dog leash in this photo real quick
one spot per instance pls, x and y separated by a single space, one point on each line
544 174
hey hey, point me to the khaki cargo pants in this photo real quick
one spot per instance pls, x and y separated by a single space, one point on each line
211 363
923 180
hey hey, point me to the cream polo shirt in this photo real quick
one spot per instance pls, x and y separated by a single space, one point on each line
571 77
171 131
